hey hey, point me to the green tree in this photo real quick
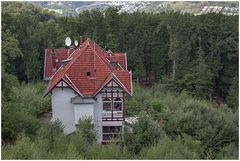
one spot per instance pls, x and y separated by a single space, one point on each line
145 132
165 148
86 128
233 96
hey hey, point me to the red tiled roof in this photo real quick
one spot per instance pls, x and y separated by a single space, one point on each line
60 54
118 57
92 58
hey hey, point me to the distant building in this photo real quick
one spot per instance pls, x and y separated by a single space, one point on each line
88 82
230 11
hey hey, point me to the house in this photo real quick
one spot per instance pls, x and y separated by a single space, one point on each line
88 81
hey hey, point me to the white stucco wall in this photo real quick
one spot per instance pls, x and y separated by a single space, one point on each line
62 108
83 111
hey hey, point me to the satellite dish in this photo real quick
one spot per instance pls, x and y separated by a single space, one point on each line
76 43
68 41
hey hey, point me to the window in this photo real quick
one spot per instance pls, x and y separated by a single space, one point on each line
88 73
117 104
111 129
107 104
111 132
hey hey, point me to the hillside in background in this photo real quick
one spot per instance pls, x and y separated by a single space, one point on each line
74 7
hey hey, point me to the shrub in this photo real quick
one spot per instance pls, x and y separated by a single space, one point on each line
21 109
22 149
213 127
86 128
15 121
145 132
109 151
230 151
165 148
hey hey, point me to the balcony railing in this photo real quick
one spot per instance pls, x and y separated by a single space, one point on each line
112 115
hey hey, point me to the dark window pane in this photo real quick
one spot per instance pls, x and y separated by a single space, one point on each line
117 106
111 136
107 106
111 129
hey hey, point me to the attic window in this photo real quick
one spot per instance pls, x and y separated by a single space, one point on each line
88 73
115 64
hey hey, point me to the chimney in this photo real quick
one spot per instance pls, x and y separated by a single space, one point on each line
80 41
53 61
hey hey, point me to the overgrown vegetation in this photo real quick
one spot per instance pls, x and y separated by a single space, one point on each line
170 126
192 61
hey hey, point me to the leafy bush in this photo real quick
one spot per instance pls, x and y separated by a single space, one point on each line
213 127
165 148
31 96
23 149
230 151
8 82
232 98
144 132
15 121
109 151
21 109
180 113
86 128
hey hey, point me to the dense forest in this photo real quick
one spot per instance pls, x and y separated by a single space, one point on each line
185 70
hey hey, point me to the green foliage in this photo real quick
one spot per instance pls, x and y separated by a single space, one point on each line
182 128
110 151
179 114
233 96
86 128
8 82
213 127
192 58
145 132
21 109
230 151
23 149
10 50
165 148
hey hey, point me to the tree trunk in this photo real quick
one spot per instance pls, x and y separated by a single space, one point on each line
174 69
